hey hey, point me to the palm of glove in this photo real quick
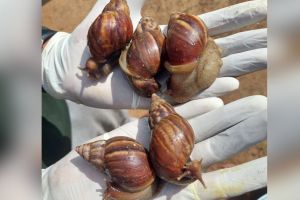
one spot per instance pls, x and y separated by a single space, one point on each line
242 53
220 134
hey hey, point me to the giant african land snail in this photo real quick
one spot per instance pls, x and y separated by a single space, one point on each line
127 164
172 142
193 58
107 36
141 60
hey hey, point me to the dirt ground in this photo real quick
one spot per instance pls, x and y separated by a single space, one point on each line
64 15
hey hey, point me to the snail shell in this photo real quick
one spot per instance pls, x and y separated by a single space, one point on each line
112 192
126 162
141 60
171 144
193 58
108 34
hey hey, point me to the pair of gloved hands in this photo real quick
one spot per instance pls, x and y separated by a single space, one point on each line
65 53
220 134
221 131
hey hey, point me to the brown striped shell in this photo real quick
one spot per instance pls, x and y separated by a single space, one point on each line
126 162
112 192
142 59
193 58
108 34
172 142
159 109
186 38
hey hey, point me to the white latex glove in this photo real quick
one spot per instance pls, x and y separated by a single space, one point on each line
220 134
243 53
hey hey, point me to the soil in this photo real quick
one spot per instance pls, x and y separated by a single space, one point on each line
65 15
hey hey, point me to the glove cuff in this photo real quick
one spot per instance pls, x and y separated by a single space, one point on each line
53 72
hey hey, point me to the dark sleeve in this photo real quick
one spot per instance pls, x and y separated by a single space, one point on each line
56 125
47 34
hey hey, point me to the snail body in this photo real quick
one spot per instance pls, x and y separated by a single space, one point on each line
126 162
193 58
141 60
108 34
172 142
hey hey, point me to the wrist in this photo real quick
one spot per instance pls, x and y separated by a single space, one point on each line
46 35
54 66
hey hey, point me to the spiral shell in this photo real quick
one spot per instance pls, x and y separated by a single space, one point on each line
93 152
126 162
112 192
117 5
186 39
142 59
108 34
159 109
171 144
193 58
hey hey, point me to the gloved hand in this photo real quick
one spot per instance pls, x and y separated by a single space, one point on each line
220 134
65 53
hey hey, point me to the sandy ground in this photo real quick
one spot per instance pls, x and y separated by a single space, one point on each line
64 15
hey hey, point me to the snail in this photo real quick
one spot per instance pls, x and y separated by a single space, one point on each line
107 36
141 60
172 142
126 162
192 57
